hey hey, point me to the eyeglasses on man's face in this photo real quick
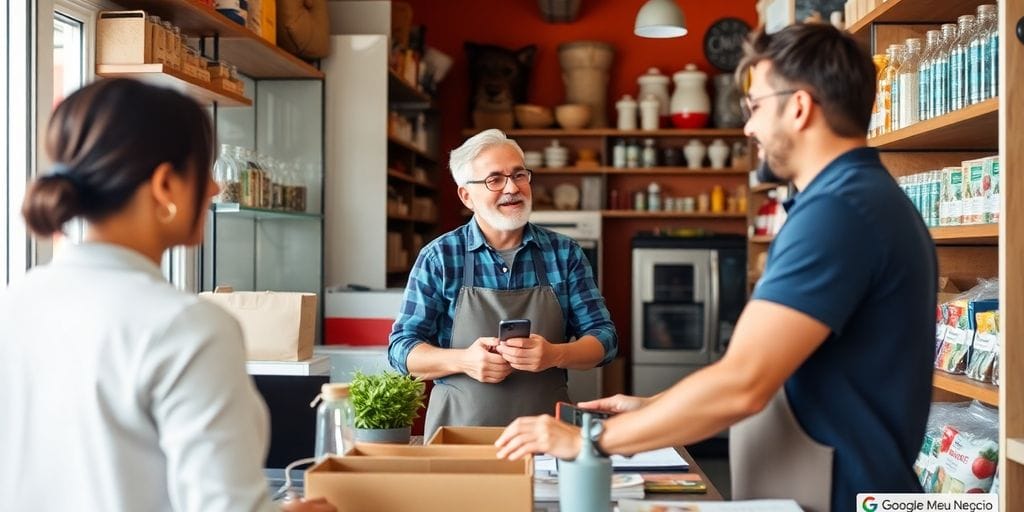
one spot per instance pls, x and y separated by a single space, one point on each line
496 182
748 104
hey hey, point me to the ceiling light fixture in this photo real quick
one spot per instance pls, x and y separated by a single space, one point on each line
660 19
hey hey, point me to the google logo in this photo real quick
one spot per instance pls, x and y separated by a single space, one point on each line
869 505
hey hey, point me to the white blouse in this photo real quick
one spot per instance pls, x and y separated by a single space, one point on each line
120 393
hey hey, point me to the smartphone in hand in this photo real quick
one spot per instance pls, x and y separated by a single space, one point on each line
573 415
517 328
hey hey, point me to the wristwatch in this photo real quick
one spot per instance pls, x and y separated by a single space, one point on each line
596 430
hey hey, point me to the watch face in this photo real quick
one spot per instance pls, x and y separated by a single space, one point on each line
723 43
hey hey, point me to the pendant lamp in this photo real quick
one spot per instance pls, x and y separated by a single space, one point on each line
660 19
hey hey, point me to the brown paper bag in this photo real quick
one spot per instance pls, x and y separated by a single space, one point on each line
277 326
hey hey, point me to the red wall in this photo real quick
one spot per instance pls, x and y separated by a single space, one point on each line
517 23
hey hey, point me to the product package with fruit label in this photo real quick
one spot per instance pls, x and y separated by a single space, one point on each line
961 449
956 325
985 349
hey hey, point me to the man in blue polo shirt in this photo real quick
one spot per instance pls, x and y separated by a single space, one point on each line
827 379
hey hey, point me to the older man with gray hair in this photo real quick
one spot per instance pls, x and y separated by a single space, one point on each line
497 267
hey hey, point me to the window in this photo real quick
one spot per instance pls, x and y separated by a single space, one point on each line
68 56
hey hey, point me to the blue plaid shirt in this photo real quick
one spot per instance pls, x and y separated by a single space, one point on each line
428 308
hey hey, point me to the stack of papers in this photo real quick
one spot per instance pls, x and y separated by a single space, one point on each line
316 365
624 486
665 459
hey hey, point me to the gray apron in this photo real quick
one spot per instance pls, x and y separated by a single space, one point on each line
772 457
461 400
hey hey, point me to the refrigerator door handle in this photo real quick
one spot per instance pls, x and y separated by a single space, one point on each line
713 305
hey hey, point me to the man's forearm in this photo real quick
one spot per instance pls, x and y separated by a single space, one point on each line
430 362
582 354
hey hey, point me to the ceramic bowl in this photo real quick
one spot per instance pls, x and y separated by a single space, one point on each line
573 116
533 116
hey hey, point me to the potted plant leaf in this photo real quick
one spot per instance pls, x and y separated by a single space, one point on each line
385 405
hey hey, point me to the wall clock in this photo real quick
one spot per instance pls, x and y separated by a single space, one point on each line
723 43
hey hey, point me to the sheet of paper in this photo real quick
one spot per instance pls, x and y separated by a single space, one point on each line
665 458
544 465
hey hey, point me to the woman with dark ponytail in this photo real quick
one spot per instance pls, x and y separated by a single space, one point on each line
117 389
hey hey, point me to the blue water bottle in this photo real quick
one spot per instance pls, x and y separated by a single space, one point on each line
585 484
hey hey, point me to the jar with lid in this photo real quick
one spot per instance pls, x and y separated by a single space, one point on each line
639 201
691 105
626 109
941 71
654 84
649 108
335 429
649 156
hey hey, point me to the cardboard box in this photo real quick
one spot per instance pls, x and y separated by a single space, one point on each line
123 37
386 478
478 436
974 198
466 436
277 326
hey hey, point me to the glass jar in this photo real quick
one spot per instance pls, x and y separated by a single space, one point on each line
649 156
877 113
335 432
226 173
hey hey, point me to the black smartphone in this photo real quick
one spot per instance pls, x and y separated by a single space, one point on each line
517 328
573 415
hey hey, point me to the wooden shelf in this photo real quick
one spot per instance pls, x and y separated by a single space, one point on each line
912 12
965 387
761 188
640 171
253 55
761 239
633 214
165 76
975 128
410 218
409 179
412 149
977 234
403 92
246 212
611 132
1015 450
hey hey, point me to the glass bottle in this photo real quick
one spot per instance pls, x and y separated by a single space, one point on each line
633 154
649 156
877 110
908 83
941 69
925 96
958 73
895 53
619 154
335 433
981 88
992 56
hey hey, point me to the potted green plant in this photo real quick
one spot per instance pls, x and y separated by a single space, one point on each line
385 405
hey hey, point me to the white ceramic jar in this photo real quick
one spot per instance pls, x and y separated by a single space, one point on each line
654 83
695 152
691 104
556 155
718 153
626 108
650 119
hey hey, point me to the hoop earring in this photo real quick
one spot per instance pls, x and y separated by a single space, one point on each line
172 212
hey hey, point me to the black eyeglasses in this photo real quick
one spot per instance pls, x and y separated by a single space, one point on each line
497 182
748 102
